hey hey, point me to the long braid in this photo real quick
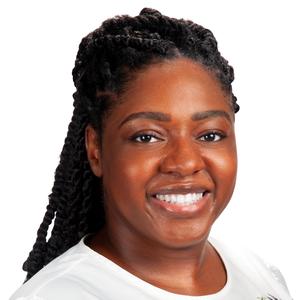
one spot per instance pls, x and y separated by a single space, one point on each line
107 58
66 199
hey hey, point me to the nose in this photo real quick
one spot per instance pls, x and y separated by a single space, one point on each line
182 159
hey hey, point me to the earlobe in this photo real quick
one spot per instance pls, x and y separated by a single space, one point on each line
93 150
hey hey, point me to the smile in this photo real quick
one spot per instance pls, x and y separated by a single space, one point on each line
181 199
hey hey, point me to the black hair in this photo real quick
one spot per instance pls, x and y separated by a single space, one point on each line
107 59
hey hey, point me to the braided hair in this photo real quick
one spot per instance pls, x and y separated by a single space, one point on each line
107 59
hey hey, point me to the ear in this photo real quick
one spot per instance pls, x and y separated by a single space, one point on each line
93 150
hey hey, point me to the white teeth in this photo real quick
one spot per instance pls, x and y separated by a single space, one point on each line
185 199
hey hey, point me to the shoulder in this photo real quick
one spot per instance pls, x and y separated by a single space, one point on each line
60 288
61 279
244 263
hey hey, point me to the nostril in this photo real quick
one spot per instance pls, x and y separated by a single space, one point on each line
185 166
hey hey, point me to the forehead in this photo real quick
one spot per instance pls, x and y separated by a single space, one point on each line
178 86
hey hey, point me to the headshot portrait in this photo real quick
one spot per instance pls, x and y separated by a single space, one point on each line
151 150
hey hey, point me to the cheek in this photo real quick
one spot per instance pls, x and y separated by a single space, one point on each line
223 169
226 166
128 172
125 179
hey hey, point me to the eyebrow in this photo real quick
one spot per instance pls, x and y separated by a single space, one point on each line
152 115
198 116
159 116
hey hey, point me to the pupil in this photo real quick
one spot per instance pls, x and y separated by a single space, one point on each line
145 138
210 137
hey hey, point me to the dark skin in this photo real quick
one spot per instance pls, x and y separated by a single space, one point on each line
173 133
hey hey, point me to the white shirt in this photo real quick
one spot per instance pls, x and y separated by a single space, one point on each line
81 273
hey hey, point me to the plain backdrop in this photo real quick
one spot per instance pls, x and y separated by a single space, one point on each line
39 42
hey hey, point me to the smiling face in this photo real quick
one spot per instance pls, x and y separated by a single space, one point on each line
168 156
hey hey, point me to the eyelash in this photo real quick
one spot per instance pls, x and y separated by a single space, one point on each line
220 135
144 134
204 137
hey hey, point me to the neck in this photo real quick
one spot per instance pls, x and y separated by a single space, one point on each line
193 270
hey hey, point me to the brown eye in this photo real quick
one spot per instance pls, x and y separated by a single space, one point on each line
145 138
212 137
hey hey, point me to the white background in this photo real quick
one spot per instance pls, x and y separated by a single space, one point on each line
39 41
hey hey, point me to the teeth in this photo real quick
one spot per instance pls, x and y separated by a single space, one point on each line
185 199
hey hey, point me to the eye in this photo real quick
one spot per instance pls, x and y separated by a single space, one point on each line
145 138
212 137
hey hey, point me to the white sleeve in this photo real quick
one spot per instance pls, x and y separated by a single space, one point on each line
274 273
277 275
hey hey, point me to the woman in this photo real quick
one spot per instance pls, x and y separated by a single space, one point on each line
148 165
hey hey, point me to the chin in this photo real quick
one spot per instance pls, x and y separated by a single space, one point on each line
189 236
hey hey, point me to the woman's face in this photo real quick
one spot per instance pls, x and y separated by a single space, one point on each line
168 156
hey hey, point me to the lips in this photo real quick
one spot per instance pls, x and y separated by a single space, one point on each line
181 198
